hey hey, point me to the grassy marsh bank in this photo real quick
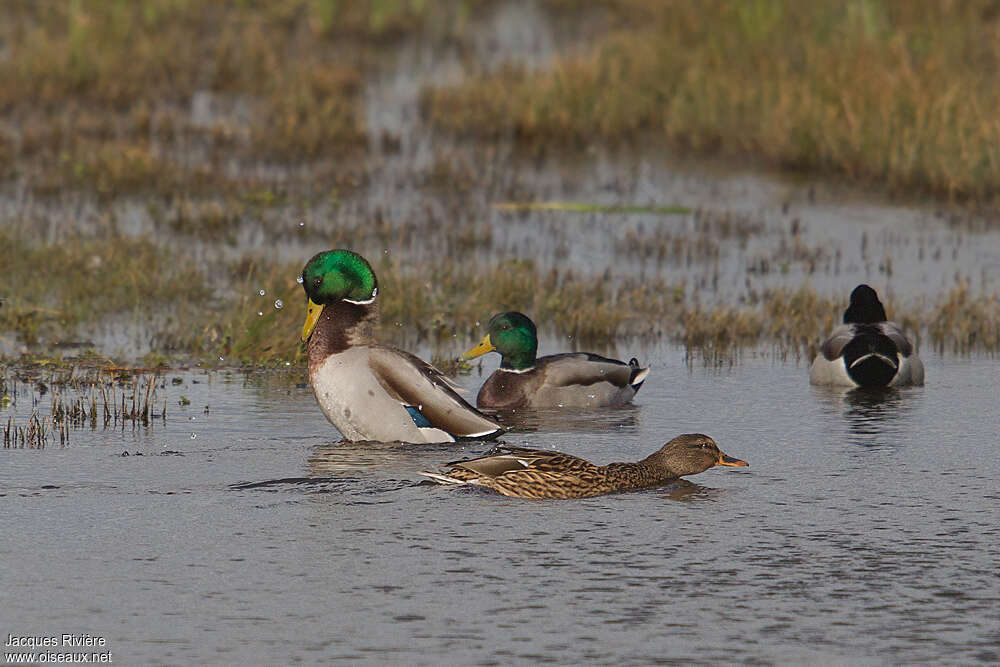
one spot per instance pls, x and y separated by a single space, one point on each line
901 95
253 313
126 97
167 168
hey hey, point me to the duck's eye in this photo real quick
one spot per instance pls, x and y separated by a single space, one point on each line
318 281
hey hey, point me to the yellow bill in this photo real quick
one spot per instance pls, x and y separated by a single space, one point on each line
312 317
485 345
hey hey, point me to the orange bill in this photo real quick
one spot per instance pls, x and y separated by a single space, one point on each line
725 460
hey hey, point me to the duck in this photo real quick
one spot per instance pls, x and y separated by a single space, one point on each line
573 379
867 350
366 390
538 473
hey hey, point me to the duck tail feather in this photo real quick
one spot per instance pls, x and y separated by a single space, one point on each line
638 377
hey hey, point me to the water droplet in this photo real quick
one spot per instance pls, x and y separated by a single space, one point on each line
194 435
279 304
302 224
298 279
222 358
260 313
261 292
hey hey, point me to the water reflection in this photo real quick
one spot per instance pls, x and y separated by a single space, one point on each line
683 490
392 457
874 416
624 419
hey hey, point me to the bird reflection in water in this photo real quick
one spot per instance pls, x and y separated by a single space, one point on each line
685 491
874 416
391 457
622 419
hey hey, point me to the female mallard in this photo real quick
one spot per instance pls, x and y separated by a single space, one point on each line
370 391
866 350
539 473
575 379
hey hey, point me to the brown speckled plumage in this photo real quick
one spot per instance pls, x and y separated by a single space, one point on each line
538 473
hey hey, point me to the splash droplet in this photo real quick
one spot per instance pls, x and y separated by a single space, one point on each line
279 304
222 358
298 279
194 435
261 292
302 224
260 313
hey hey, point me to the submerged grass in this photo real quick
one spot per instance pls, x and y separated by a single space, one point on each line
79 396
901 94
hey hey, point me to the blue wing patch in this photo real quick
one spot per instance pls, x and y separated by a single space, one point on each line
417 417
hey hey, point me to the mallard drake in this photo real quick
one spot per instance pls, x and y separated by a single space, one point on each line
371 391
574 379
539 473
866 350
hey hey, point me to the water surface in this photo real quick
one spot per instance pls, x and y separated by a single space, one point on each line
864 531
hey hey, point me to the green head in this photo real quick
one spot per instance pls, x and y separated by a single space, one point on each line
332 276
337 275
513 335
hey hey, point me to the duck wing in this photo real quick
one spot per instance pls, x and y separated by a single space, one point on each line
833 346
511 459
896 335
422 387
582 368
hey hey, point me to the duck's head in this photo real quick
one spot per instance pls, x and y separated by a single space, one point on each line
690 454
513 335
333 276
865 308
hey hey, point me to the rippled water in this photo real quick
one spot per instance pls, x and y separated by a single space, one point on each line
864 531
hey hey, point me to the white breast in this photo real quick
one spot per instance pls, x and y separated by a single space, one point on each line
356 403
